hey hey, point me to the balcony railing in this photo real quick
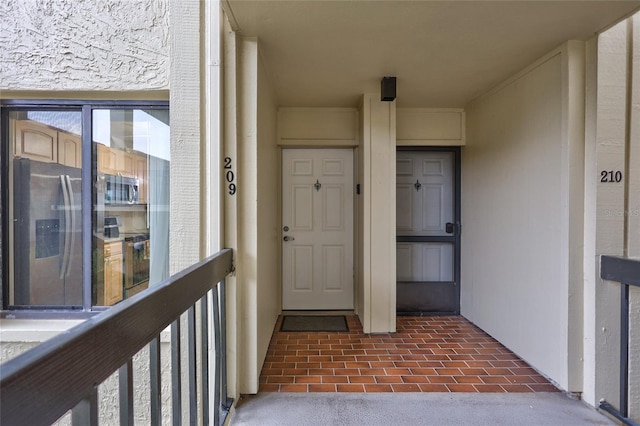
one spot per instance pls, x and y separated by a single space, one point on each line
627 273
64 373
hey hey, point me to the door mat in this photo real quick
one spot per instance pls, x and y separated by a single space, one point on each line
314 323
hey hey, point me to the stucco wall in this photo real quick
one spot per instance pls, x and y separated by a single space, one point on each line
516 242
94 45
187 220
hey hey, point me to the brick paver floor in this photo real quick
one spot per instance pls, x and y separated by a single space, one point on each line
427 354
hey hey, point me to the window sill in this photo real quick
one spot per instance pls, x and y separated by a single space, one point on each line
35 314
33 330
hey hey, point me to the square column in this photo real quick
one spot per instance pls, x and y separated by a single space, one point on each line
377 216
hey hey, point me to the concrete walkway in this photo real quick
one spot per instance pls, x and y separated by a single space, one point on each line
368 409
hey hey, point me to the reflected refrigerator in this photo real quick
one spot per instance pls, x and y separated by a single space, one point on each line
47 218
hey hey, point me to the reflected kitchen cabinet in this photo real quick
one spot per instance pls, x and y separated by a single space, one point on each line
109 278
40 142
69 149
107 160
35 141
126 163
140 172
114 161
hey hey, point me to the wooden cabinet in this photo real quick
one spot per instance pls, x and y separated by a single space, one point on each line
113 262
113 161
69 149
43 143
35 141
107 160
126 164
140 172
109 283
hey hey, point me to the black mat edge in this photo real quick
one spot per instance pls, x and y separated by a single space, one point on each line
344 318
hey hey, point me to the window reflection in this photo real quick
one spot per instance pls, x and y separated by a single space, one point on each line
131 214
45 176
129 198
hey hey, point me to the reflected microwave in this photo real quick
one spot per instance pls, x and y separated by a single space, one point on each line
120 190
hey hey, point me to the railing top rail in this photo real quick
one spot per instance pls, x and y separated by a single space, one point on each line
620 269
40 385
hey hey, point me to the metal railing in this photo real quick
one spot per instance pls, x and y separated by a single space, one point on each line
627 273
62 374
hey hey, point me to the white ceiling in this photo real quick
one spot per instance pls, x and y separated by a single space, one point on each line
443 53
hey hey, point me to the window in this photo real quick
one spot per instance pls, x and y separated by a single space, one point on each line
86 202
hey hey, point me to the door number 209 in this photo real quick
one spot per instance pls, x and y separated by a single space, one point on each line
230 176
607 176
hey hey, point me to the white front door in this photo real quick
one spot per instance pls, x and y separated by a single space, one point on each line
317 229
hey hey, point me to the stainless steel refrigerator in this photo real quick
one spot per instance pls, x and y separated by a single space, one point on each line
47 234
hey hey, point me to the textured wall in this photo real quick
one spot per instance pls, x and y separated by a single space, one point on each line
84 45
186 136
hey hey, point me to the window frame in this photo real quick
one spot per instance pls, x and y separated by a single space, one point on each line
86 108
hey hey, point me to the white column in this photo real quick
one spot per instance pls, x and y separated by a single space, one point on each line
212 130
378 215
610 201
230 204
633 223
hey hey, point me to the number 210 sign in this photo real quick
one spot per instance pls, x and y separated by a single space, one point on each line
610 176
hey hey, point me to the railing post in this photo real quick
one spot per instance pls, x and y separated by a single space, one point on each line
155 378
226 401
216 345
176 377
193 385
86 412
626 272
624 350
125 379
204 356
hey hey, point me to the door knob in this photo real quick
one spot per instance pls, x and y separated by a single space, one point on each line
449 228
288 238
